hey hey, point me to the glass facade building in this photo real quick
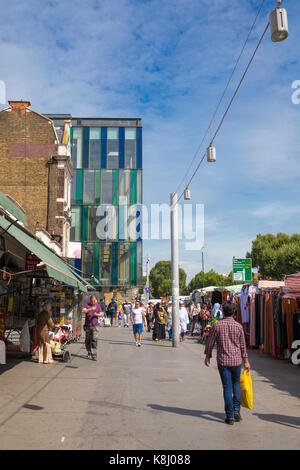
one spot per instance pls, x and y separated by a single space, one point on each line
107 198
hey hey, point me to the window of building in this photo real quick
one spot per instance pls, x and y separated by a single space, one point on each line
74 188
106 187
89 223
113 148
77 147
88 187
124 187
107 222
75 235
87 256
130 148
105 264
139 189
95 147
124 264
139 264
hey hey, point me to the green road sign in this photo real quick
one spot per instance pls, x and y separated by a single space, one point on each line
242 269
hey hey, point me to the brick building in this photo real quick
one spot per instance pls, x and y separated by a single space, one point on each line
36 171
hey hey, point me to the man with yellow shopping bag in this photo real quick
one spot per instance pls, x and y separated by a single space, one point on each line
231 353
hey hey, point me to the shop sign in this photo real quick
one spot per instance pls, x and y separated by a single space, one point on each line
242 269
31 265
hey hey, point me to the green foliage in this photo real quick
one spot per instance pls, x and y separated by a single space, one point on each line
276 255
161 279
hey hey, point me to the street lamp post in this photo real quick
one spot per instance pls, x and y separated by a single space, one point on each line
279 32
175 269
147 281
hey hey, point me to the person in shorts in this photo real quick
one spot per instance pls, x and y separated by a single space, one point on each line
138 319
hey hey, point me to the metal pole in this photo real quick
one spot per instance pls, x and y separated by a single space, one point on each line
147 282
175 269
203 268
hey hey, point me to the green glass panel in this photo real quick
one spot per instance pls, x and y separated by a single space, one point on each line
84 223
96 260
133 187
115 264
79 187
97 186
133 264
115 186
87 257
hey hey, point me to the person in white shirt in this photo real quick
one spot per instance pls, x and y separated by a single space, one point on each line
183 320
138 318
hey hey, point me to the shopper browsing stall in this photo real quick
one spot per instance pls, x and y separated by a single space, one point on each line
43 325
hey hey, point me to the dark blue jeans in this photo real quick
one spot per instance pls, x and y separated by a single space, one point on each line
230 377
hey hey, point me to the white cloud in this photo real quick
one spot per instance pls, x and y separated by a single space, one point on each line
168 62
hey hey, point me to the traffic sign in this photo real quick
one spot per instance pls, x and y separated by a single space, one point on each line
242 269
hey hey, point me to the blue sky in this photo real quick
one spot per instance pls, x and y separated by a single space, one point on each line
168 63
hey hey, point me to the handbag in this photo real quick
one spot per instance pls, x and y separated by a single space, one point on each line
246 390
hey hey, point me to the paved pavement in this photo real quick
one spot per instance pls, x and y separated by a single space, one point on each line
149 398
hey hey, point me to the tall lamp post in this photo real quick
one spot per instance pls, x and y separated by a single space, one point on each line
279 32
147 293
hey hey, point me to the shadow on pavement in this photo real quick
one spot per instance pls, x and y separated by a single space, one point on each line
281 375
289 421
208 415
13 361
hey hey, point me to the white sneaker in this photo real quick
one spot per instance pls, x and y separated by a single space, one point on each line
139 344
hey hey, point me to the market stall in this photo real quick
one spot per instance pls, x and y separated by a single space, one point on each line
270 314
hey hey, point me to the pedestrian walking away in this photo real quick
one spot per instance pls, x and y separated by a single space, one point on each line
231 353
160 322
112 310
92 312
138 319
184 320
126 306
103 308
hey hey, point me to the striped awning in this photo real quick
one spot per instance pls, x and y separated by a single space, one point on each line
292 282
292 285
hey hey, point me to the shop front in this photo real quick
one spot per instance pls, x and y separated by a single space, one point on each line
30 275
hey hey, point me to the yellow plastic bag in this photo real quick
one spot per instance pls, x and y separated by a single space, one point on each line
246 390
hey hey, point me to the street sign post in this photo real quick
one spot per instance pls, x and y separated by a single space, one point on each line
242 269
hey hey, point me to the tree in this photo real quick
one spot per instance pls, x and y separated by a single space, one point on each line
161 279
275 255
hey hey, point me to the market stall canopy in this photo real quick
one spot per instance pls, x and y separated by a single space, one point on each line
12 207
205 290
236 289
292 285
56 267
270 284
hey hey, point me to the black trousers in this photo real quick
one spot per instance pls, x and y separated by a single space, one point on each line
91 339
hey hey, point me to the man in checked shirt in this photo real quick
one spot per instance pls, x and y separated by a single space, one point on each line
231 352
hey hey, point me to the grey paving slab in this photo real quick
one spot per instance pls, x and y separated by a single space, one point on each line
153 397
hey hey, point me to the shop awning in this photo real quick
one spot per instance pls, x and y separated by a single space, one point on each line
9 206
56 267
270 284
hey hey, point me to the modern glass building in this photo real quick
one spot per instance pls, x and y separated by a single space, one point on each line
107 198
